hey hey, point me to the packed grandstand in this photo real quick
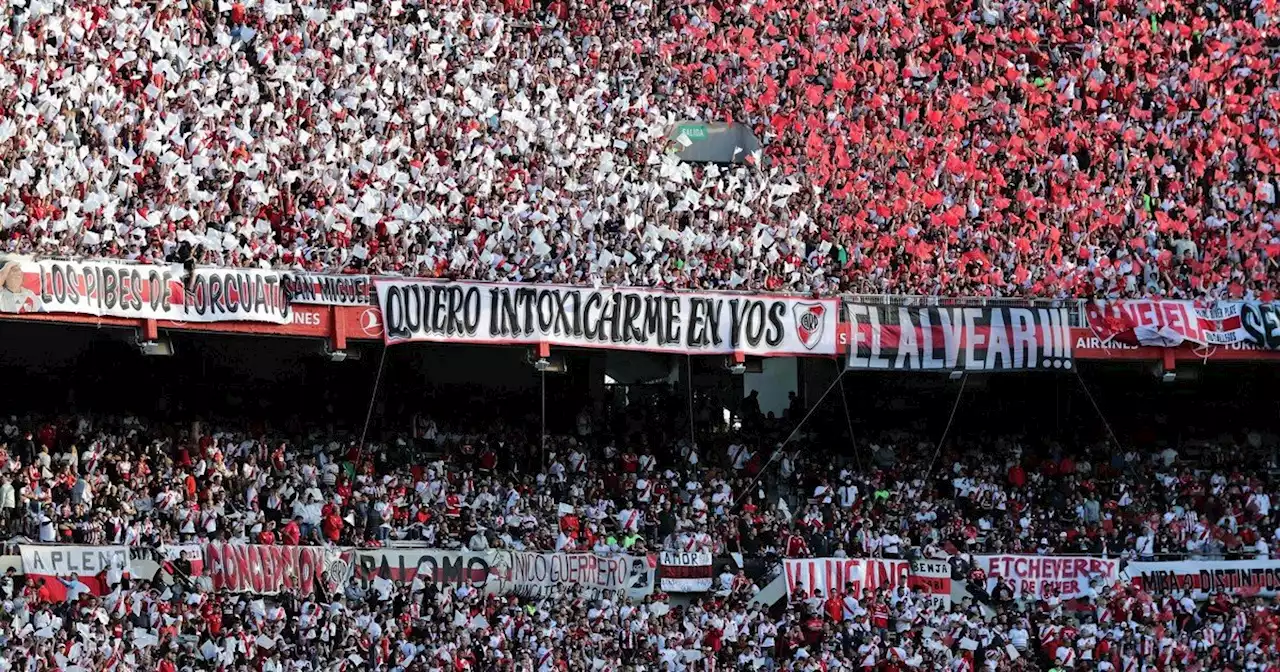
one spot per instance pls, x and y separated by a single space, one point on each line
1074 148
244 504
656 413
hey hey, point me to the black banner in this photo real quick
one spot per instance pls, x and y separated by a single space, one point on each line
1261 322
958 339
327 290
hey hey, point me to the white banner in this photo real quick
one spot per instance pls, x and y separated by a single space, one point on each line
111 289
844 575
405 565
64 561
628 319
1041 576
504 572
1199 578
686 572
327 290
538 574
933 578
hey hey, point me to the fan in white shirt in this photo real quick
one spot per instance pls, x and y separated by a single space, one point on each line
848 493
1145 546
890 543
1019 637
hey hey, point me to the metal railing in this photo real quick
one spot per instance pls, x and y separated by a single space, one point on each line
1075 306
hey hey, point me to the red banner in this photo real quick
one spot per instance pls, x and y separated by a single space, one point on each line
251 568
304 322
1089 345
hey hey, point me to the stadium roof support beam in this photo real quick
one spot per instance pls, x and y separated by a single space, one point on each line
338 332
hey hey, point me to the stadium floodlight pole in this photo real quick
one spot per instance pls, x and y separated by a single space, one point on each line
790 436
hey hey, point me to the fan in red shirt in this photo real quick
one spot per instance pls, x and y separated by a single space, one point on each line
43 592
570 525
344 491
48 435
331 526
452 504
880 614
1103 649
796 546
291 533
813 629
834 607
212 617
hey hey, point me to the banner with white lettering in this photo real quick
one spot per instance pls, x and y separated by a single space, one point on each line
844 576
253 568
63 571
541 574
327 290
686 572
959 339
1042 576
1244 578
1246 325
112 289
933 578
629 319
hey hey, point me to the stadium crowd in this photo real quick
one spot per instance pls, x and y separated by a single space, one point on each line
126 480
614 484
1071 148
145 626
